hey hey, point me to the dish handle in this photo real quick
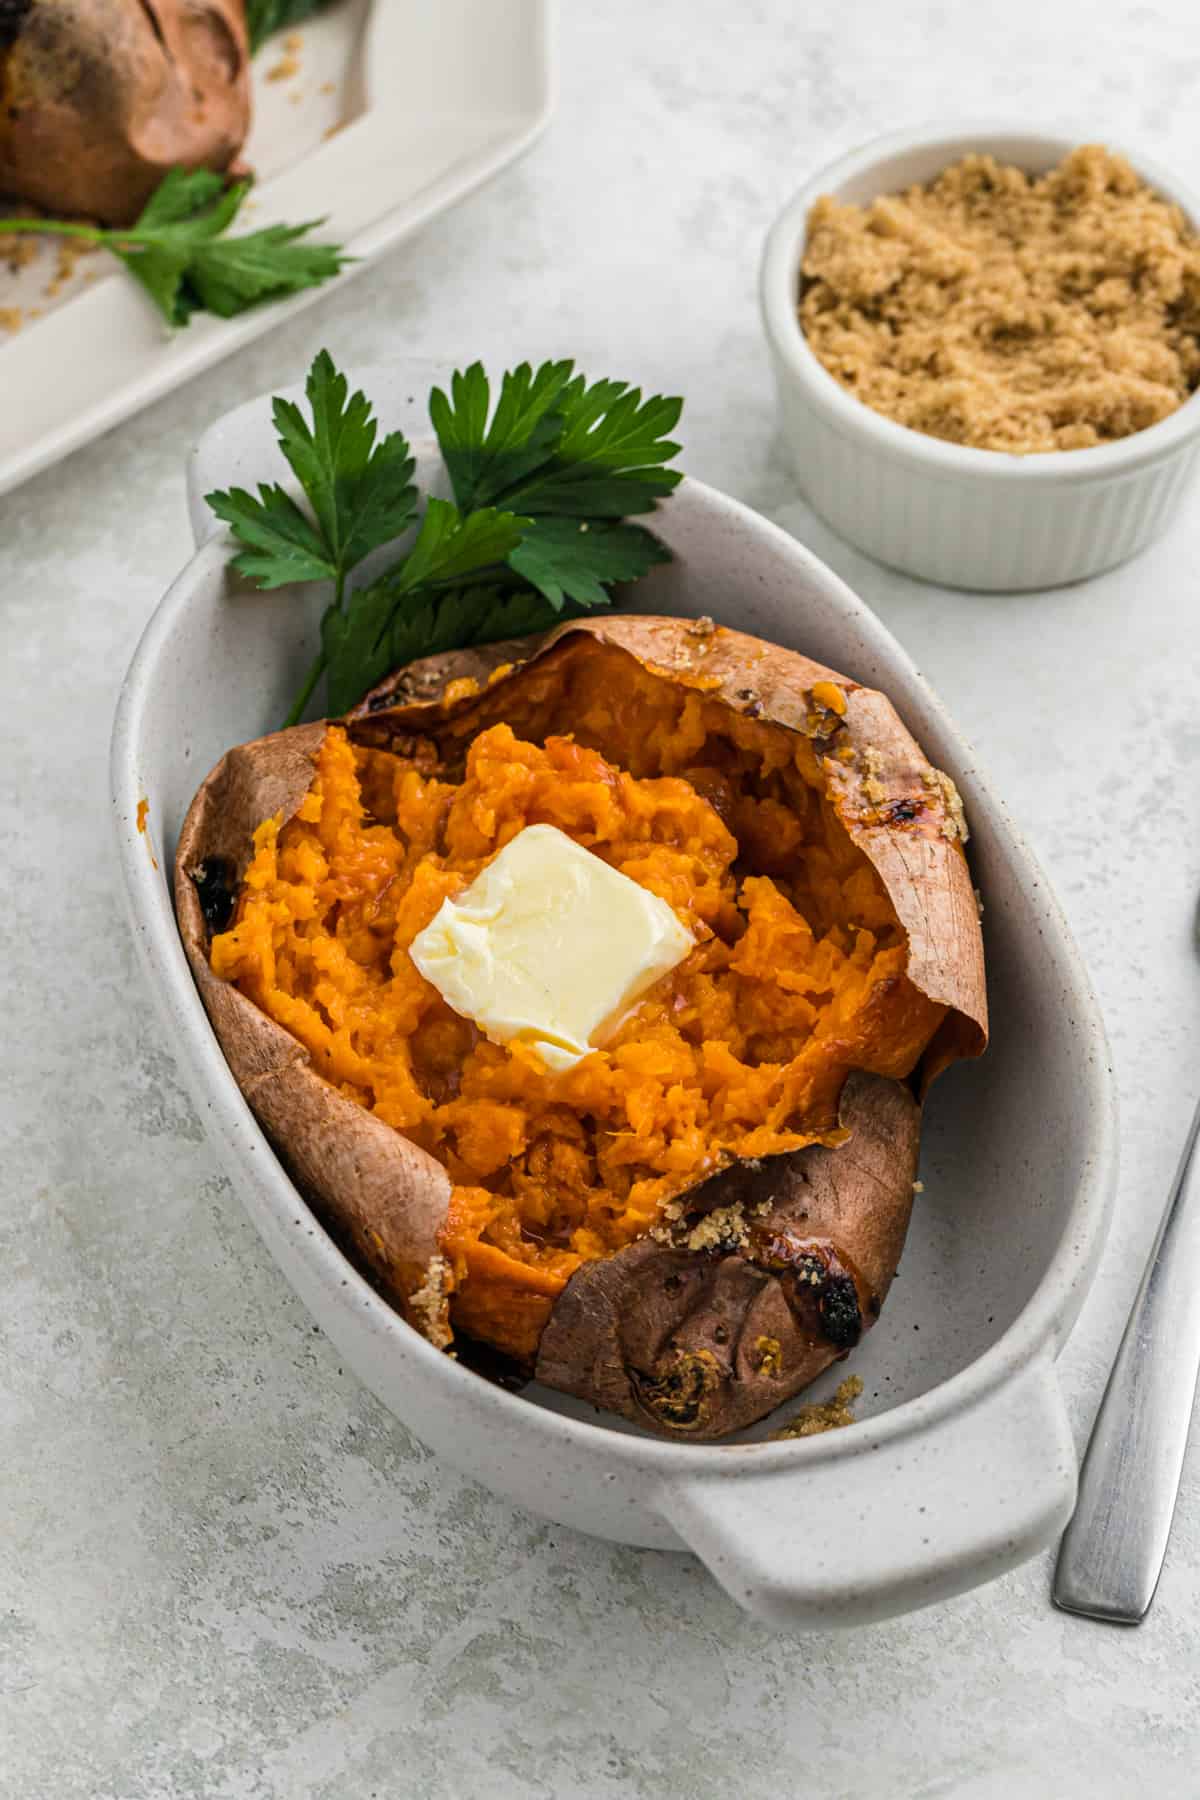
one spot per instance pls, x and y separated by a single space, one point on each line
851 1533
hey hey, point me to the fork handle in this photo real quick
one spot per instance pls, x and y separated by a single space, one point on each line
1113 1549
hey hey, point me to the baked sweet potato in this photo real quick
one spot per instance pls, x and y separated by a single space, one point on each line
100 98
693 1222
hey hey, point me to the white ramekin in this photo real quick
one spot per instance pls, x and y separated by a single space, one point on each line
964 518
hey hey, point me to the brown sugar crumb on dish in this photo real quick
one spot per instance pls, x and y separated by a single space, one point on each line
1004 311
68 256
823 1415
16 252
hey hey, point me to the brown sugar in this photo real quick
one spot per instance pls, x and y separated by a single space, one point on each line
1010 312
824 1415
16 251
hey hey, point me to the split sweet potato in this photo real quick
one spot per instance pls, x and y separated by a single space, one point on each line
708 1210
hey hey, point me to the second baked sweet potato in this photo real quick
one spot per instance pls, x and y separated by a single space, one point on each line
100 98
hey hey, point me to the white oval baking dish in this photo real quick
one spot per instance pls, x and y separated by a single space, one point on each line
965 518
962 1464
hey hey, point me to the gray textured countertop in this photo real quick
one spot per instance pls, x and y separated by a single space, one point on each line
224 1571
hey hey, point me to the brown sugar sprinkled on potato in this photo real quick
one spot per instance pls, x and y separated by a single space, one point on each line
1008 312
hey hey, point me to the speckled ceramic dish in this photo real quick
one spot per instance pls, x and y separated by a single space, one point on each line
962 1463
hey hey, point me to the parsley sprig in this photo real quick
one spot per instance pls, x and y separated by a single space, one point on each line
179 252
537 531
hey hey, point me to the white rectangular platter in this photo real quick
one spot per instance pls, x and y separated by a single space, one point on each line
386 114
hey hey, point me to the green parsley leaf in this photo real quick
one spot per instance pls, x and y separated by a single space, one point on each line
230 275
556 443
608 460
179 254
360 490
450 546
362 495
485 461
577 559
265 17
284 547
187 208
184 195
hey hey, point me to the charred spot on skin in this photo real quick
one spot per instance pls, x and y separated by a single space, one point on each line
13 14
901 812
678 1395
815 1277
840 1313
215 883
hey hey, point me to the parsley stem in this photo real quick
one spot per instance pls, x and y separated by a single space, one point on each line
306 692
121 243
318 668
60 228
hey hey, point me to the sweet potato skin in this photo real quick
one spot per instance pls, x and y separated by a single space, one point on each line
381 1195
700 1343
100 98
710 1323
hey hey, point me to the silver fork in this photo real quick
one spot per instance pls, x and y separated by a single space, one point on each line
1112 1551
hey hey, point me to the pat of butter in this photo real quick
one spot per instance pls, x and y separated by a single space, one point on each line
549 946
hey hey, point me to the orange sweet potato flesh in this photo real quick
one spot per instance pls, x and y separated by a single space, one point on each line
100 98
699 1217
